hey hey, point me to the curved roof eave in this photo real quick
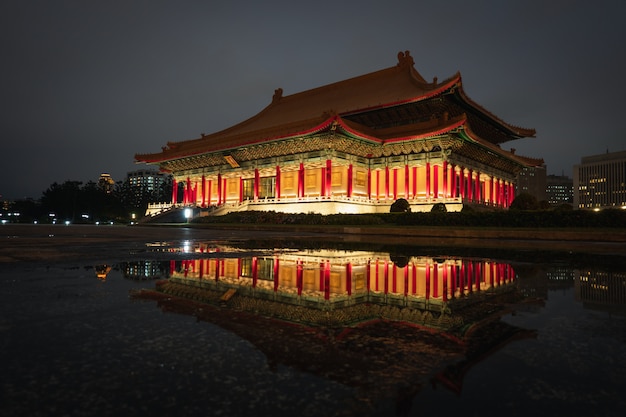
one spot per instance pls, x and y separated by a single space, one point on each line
522 160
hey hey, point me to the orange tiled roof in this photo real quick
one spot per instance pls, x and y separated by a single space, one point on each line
311 110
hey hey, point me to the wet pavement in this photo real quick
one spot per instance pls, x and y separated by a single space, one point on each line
74 343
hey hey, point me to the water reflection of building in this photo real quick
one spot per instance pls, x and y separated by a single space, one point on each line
102 271
365 319
345 277
146 269
601 290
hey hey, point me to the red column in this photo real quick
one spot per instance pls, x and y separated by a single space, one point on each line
414 182
219 189
224 190
428 180
387 182
174 191
329 177
368 275
350 180
377 184
470 188
477 192
257 181
436 181
203 191
209 192
240 190
406 181
301 180
395 184
491 191
323 185
349 278
453 181
277 182
446 191
394 279
369 183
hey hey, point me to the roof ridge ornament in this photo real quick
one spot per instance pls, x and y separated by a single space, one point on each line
278 94
405 59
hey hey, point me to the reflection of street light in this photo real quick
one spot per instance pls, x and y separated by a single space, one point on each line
132 216
188 213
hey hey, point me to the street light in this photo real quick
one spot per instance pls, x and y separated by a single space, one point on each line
188 214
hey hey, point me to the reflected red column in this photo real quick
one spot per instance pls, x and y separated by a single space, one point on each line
435 280
386 277
427 271
414 279
327 280
406 279
172 267
444 290
299 277
394 279
276 271
376 276
254 271
202 268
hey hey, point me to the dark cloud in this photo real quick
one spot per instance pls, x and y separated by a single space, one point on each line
86 85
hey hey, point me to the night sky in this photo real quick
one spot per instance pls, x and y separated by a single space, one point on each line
84 85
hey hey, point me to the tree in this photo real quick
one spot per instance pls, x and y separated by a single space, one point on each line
439 208
525 201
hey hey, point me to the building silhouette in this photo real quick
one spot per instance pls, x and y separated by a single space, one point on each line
532 180
559 190
600 181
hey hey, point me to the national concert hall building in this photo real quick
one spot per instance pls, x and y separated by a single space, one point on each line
354 146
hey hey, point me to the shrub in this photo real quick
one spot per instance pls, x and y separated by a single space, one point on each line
400 206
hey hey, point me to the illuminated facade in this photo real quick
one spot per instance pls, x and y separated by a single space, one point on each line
600 181
354 146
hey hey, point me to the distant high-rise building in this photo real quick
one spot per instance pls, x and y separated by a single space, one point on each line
106 183
600 181
145 182
532 180
559 189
